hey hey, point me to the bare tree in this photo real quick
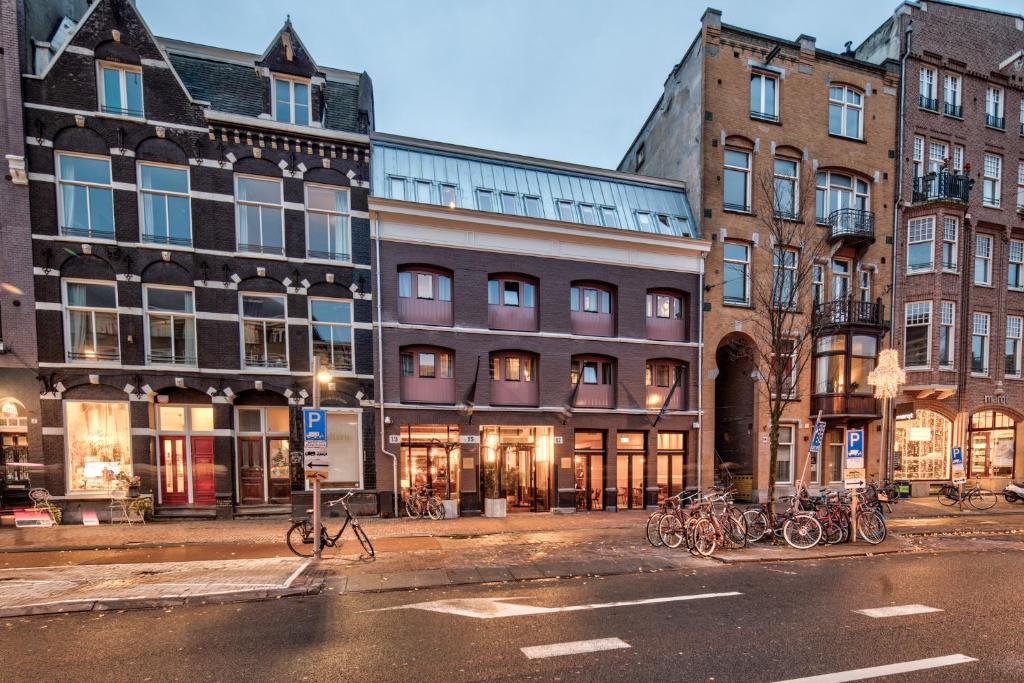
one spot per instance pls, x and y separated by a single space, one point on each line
780 322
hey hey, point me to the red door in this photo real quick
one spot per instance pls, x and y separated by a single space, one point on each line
173 471
202 471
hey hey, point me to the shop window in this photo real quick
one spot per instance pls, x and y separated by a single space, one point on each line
516 466
992 441
98 441
588 465
629 470
430 459
671 475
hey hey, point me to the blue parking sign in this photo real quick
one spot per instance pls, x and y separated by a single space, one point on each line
957 456
314 424
854 448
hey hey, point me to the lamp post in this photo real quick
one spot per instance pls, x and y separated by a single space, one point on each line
888 379
319 377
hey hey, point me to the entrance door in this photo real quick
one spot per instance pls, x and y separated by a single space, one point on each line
589 478
173 471
251 470
519 476
629 475
14 481
202 471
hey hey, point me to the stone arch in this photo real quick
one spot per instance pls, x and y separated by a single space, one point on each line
735 404
83 139
161 150
167 273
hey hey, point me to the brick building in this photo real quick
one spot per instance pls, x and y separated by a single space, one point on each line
959 251
538 327
199 233
817 122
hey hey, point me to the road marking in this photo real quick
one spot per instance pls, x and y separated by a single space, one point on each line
885 670
497 608
896 611
574 648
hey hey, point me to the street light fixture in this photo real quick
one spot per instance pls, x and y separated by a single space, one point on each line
888 379
320 376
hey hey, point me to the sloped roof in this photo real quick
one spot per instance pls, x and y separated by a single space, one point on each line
231 88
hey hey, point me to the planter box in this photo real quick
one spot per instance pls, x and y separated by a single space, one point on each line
495 507
451 509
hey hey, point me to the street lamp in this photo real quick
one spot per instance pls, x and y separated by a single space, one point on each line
320 376
888 379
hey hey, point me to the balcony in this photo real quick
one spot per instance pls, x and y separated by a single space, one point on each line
995 121
424 311
852 226
956 110
520 318
942 186
929 103
843 312
507 393
427 389
859 406
595 396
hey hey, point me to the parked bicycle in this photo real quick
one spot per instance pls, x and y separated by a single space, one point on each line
300 535
799 528
419 503
976 497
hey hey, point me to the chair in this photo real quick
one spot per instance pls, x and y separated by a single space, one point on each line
119 502
41 501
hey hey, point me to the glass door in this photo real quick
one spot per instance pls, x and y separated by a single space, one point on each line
589 481
629 481
174 471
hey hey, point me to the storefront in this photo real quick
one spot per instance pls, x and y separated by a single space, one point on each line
588 469
992 445
185 471
430 460
262 455
14 480
674 473
922 446
631 448
517 465
98 438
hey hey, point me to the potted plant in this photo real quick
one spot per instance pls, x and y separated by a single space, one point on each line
130 483
494 502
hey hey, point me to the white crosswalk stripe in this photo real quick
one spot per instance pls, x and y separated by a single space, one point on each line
574 648
896 611
885 670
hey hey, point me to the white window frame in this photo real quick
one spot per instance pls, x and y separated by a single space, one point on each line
122 106
746 270
937 161
350 325
238 215
926 87
167 193
921 230
986 257
62 224
793 180
958 159
66 318
761 113
781 267
346 215
947 323
1014 335
172 315
864 285
923 310
917 165
986 319
848 105
747 171
994 109
292 81
1020 182
1015 261
950 238
951 84
995 181
854 191
241 332
791 443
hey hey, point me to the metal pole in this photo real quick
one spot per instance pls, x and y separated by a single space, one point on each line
317 549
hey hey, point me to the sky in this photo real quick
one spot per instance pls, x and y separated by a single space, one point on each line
569 80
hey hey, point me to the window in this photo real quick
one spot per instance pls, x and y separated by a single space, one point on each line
937 152
982 259
396 188
90 310
588 214
841 286
260 215
784 262
818 284
120 89
565 211
508 292
327 226
990 190
665 306
170 326
737 180
764 97
448 195
920 244
830 365
166 212
845 109
426 364
644 221
485 200
1020 185
918 334
424 192
863 350
590 299
946 339
264 331
424 285
1012 351
864 285
511 367
1015 273
951 96
609 217
927 90
917 165
640 156
664 224
593 372
99 444
958 158
736 273
783 369
331 333
994 108
509 203
784 455
979 344
836 191
787 175
534 207
86 196
950 228
291 101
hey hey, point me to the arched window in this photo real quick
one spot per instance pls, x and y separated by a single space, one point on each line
425 295
592 309
427 375
835 191
512 302
514 378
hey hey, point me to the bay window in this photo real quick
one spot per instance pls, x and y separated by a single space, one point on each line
264 331
90 321
425 295
331 333
99 445
1020 181
863 351
591 309
327 223
950 229
166 209
512 303
170 326
1015 271
86 206
1012 350
427 375
120 89
830 364
917 334
513 378
664 316
260 212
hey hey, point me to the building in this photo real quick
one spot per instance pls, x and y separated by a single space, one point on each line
20 428
819 124
538 327
959 251
199 234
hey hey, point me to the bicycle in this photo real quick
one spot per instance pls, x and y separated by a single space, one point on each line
419 504
300 535
976 497
798 528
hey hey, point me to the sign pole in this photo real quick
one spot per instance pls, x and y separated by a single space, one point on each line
813 451
854 474
317 549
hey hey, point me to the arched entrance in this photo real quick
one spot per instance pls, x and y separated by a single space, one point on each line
992 444
734 405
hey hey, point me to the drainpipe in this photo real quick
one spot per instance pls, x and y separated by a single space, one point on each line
700 377
380 362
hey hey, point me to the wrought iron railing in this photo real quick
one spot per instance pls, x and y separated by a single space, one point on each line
764 116
995 121
851 223
848 311
942 185
929 103
956 110
92 233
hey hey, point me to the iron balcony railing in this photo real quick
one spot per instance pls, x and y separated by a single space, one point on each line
851 224
929 103
956 110
848 311
764 116
995 121
942 185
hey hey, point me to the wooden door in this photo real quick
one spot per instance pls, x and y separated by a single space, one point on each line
173 471
251 471
202 471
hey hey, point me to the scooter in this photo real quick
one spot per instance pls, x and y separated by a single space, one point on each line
1014 492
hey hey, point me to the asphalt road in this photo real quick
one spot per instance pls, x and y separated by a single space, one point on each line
789 620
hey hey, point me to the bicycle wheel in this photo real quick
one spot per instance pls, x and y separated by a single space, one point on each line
411 508
982 499
670 531
802 531
871 526
704 542
653 537
364 540
435 509
733 531
300 539
948 495
832 531
757 524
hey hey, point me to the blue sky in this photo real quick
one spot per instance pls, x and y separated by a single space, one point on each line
570 80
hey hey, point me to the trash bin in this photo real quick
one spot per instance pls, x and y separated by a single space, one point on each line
903 487
451 509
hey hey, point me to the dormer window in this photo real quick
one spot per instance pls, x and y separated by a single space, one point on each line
291 101
120 87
